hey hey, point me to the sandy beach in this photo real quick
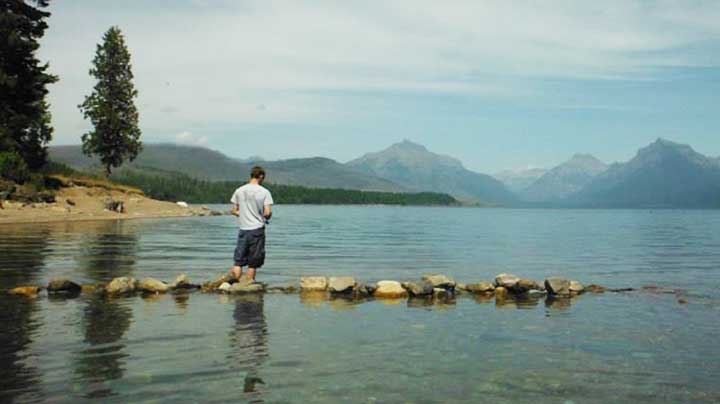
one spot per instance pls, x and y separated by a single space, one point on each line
89 203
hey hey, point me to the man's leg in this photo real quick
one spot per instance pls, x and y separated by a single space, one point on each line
241 255
256 252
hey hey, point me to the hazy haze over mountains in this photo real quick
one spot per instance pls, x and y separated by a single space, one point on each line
564 179
519 179
663 174
413 166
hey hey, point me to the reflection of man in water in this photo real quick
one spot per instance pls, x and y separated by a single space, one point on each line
248 338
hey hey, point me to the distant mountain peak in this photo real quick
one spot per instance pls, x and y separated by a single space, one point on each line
407 144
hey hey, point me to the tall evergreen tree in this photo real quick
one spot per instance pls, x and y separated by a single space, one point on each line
24 117
111 107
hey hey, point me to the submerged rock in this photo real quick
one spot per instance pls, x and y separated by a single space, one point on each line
121 286
63 286
313 283
480 287
441 293
389 289
282 288
440 281
557 286
152 285
576 287
595 289
420 288
93 288
362 291
30 291
506 280
500 292
341 284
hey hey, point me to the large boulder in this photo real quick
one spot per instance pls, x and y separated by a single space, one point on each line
557 286
121 286
341 284
30 291
63 286
389 289
419 288
151 285
507 281
313 283
480 287
440 281
576 287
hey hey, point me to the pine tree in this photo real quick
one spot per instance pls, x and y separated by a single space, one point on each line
24 118
110 107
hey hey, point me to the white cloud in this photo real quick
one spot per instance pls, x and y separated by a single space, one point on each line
216 62
186 137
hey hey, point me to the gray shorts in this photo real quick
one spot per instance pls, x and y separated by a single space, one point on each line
250 250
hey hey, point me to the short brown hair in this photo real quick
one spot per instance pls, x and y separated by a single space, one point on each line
257 172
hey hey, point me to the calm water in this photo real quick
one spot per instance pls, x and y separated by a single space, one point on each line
633 347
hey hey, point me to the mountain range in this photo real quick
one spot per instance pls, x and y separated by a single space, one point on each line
662 175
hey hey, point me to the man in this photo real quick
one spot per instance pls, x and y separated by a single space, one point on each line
252 204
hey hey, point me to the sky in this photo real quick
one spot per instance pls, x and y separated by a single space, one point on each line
497 84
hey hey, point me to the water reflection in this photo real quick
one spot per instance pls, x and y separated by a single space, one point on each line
249 343
108 252
23 258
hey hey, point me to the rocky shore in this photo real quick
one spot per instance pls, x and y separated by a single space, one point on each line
428 288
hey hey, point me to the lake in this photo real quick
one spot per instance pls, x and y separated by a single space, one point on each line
633 347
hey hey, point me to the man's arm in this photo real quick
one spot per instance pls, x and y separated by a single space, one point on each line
267 212
235 209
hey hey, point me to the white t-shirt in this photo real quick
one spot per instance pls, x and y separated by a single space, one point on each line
251 200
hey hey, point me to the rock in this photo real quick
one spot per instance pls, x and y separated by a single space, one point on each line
283 288
500 292
341 284
480 287
576 287
70 202
121 286
440 281
595 289
242 287
182 282
362 290
557 286
421 288
215 213
30 291
224 287
213 285
523 285
441 293
461 286
182 204
89 288
63 286
313 283
536 293
151 285
389 289
506 280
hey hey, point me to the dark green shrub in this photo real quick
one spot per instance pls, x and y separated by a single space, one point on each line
13 167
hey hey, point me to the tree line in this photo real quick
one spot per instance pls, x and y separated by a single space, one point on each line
180 187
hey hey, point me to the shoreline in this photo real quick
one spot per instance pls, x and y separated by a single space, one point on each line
81 203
